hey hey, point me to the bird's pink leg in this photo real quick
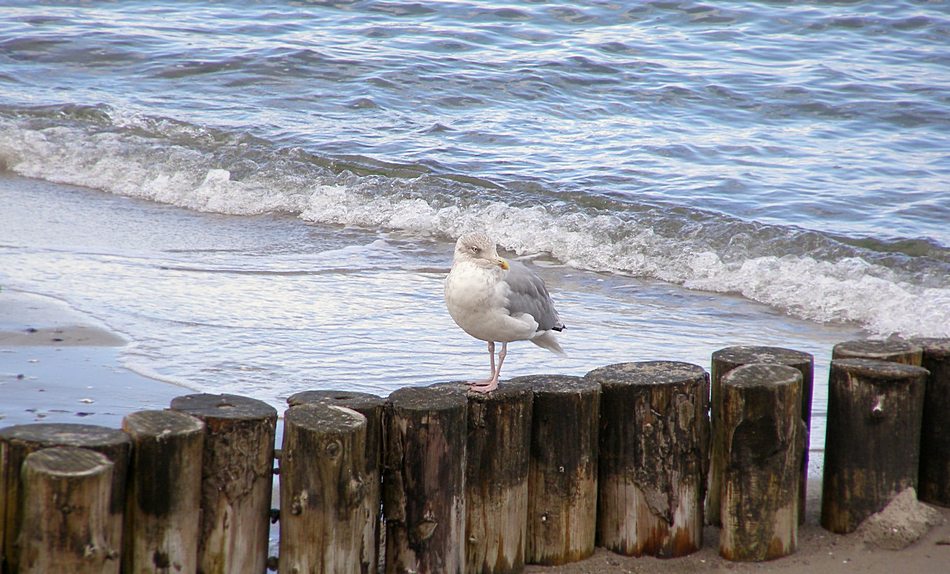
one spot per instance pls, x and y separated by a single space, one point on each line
491 383
501 360
491 357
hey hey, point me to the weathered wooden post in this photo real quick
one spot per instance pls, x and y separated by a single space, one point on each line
67 524
893 350
934 479
562 474
16 442
654 432
727 359
872 447
325 510
761 461
164 492
371 407
496 479
236 480
424 480
368 405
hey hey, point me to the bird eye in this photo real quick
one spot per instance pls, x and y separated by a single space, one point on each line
475 249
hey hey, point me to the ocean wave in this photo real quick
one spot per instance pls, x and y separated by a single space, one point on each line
803 273
845 290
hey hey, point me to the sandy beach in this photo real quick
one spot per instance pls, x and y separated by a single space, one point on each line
58 365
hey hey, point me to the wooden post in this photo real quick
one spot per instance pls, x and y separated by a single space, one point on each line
727 359
236 481
872 448
934 480
761 461
893 350
164 492
562 474
496 479
654 432
324 508
16 442
371 407
67 524
424 480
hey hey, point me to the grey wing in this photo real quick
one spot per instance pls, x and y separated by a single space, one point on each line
529 295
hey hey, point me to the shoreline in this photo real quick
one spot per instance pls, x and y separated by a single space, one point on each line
59 365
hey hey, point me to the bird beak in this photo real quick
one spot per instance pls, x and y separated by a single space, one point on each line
503 264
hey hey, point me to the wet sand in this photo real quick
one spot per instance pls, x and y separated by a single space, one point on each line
58 365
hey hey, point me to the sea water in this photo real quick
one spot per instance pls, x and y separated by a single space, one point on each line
263 197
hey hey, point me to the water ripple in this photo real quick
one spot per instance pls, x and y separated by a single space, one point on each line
828 118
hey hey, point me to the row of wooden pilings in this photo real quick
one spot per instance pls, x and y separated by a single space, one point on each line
540 471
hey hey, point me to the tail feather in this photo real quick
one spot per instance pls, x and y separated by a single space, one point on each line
548 341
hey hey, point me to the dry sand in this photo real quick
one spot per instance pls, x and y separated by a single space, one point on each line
57 365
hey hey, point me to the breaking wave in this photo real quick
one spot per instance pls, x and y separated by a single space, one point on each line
887 287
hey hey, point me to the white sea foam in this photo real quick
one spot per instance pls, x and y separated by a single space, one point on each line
848 289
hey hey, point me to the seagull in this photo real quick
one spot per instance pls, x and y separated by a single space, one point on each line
498 301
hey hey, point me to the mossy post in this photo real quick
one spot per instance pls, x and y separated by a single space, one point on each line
892 350
872 448
761 454
654 433
562 473
325 510
67 525
236 480
727 359
164 492
424 480
17 442
371 407
934 479
496 479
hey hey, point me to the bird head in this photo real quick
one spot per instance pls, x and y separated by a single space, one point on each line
479 249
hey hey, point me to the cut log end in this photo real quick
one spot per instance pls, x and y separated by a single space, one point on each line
435 398
161 423
223 406
324 418
747 355
893 350
885 372
67 462
350 399
647 373
764 376
64 434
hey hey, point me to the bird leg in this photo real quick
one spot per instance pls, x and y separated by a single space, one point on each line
491 357
491 383
501 359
